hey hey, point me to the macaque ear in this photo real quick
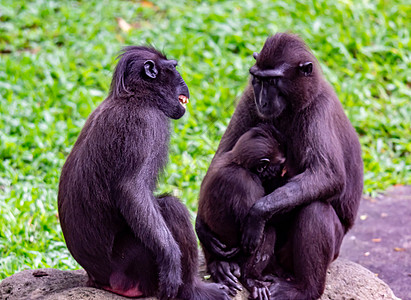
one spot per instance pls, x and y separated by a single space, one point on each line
255 55
306 68
150 69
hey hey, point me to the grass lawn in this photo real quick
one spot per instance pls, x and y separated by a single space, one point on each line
56 60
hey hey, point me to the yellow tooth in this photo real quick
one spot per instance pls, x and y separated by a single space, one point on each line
183 99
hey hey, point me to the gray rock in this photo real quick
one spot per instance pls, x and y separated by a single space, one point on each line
350 281
345 281
52 284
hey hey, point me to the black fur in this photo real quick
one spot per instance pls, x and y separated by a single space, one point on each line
129 241
241 176
318 204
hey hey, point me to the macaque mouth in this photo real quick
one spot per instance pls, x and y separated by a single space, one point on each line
183 100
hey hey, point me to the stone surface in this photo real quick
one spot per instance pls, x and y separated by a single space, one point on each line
51 284
345 280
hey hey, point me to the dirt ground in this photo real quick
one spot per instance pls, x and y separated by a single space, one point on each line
381 239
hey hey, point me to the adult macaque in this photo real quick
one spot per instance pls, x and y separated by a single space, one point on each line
129 241
318 204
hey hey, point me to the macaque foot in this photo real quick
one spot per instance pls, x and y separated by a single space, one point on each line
259 290
226 273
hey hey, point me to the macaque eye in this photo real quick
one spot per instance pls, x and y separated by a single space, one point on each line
263 164
306 68
171 64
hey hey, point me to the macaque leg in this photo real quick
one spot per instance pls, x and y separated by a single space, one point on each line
316 239
253 268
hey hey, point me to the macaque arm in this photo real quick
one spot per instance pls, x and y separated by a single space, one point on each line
209 240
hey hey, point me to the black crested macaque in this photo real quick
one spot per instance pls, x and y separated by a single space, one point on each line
317 206
129 241
240 177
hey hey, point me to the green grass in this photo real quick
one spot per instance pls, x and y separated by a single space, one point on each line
56 59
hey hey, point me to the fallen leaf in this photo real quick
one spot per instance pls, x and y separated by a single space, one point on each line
363 217
376 240
123 25
398 249
147 4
